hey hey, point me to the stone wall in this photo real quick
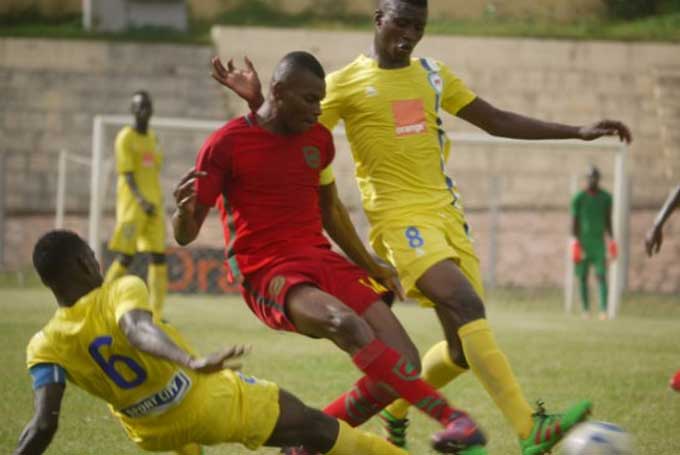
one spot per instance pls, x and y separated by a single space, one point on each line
556 80
51 89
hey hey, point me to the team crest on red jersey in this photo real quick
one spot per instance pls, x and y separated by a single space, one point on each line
312 156
276 284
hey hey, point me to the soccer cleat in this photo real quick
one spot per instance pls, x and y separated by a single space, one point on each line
461 436
395 428
549 429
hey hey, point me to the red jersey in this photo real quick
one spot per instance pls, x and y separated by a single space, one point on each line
266 187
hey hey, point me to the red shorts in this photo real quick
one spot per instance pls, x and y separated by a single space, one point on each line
265 290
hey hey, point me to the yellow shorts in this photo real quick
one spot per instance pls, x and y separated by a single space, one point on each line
138 232
413 247
226 407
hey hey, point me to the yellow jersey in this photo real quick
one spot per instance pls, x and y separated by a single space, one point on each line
138 153
85 340
392 123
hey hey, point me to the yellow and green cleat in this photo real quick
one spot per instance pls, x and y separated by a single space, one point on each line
549 429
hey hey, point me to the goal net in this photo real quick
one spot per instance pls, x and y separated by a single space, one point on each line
509 187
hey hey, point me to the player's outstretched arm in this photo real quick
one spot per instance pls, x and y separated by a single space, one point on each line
142 333
244 82
338 225
39 432
189 215
654 237
508 124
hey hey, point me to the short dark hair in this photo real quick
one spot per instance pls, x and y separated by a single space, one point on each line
52 253
143 93
418 3
593 171
297 60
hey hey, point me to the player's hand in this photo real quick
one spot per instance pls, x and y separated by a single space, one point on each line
606 128
388 277
185 191
653 241
148 207
220 360
244 82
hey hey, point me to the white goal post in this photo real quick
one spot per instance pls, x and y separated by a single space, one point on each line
102 168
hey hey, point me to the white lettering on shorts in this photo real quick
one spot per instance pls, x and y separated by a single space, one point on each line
171 395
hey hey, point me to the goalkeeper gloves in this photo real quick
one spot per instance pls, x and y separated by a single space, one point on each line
576 251
613 249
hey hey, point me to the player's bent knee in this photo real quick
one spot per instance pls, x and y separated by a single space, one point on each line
467 306
348 330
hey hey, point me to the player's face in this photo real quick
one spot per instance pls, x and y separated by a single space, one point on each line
593 181
141 108
399 28
91 266
299 101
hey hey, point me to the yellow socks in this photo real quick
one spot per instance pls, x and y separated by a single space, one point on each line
157 279
190 449
438 370
493 370
116 270
354 442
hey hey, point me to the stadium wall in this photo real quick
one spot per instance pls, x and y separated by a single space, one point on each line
51 89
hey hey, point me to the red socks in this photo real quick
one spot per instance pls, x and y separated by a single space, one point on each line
383 364
361 403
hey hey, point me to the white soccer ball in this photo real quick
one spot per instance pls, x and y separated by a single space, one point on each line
597 438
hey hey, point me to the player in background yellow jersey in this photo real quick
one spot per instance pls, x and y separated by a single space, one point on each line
104 340
390 104
140 220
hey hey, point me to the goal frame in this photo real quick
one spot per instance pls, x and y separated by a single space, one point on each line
621 210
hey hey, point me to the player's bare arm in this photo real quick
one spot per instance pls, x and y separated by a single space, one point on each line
498 122
147 206
654 237
244 82
338 225
141 331
39 432
189 215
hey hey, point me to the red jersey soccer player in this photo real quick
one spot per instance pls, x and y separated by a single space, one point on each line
265 170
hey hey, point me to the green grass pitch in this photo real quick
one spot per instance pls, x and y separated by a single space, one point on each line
622 365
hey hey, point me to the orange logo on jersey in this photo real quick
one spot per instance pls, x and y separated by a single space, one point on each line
409 117
373 285
275 285
148 159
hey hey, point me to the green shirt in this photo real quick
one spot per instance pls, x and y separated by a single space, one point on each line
591 210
